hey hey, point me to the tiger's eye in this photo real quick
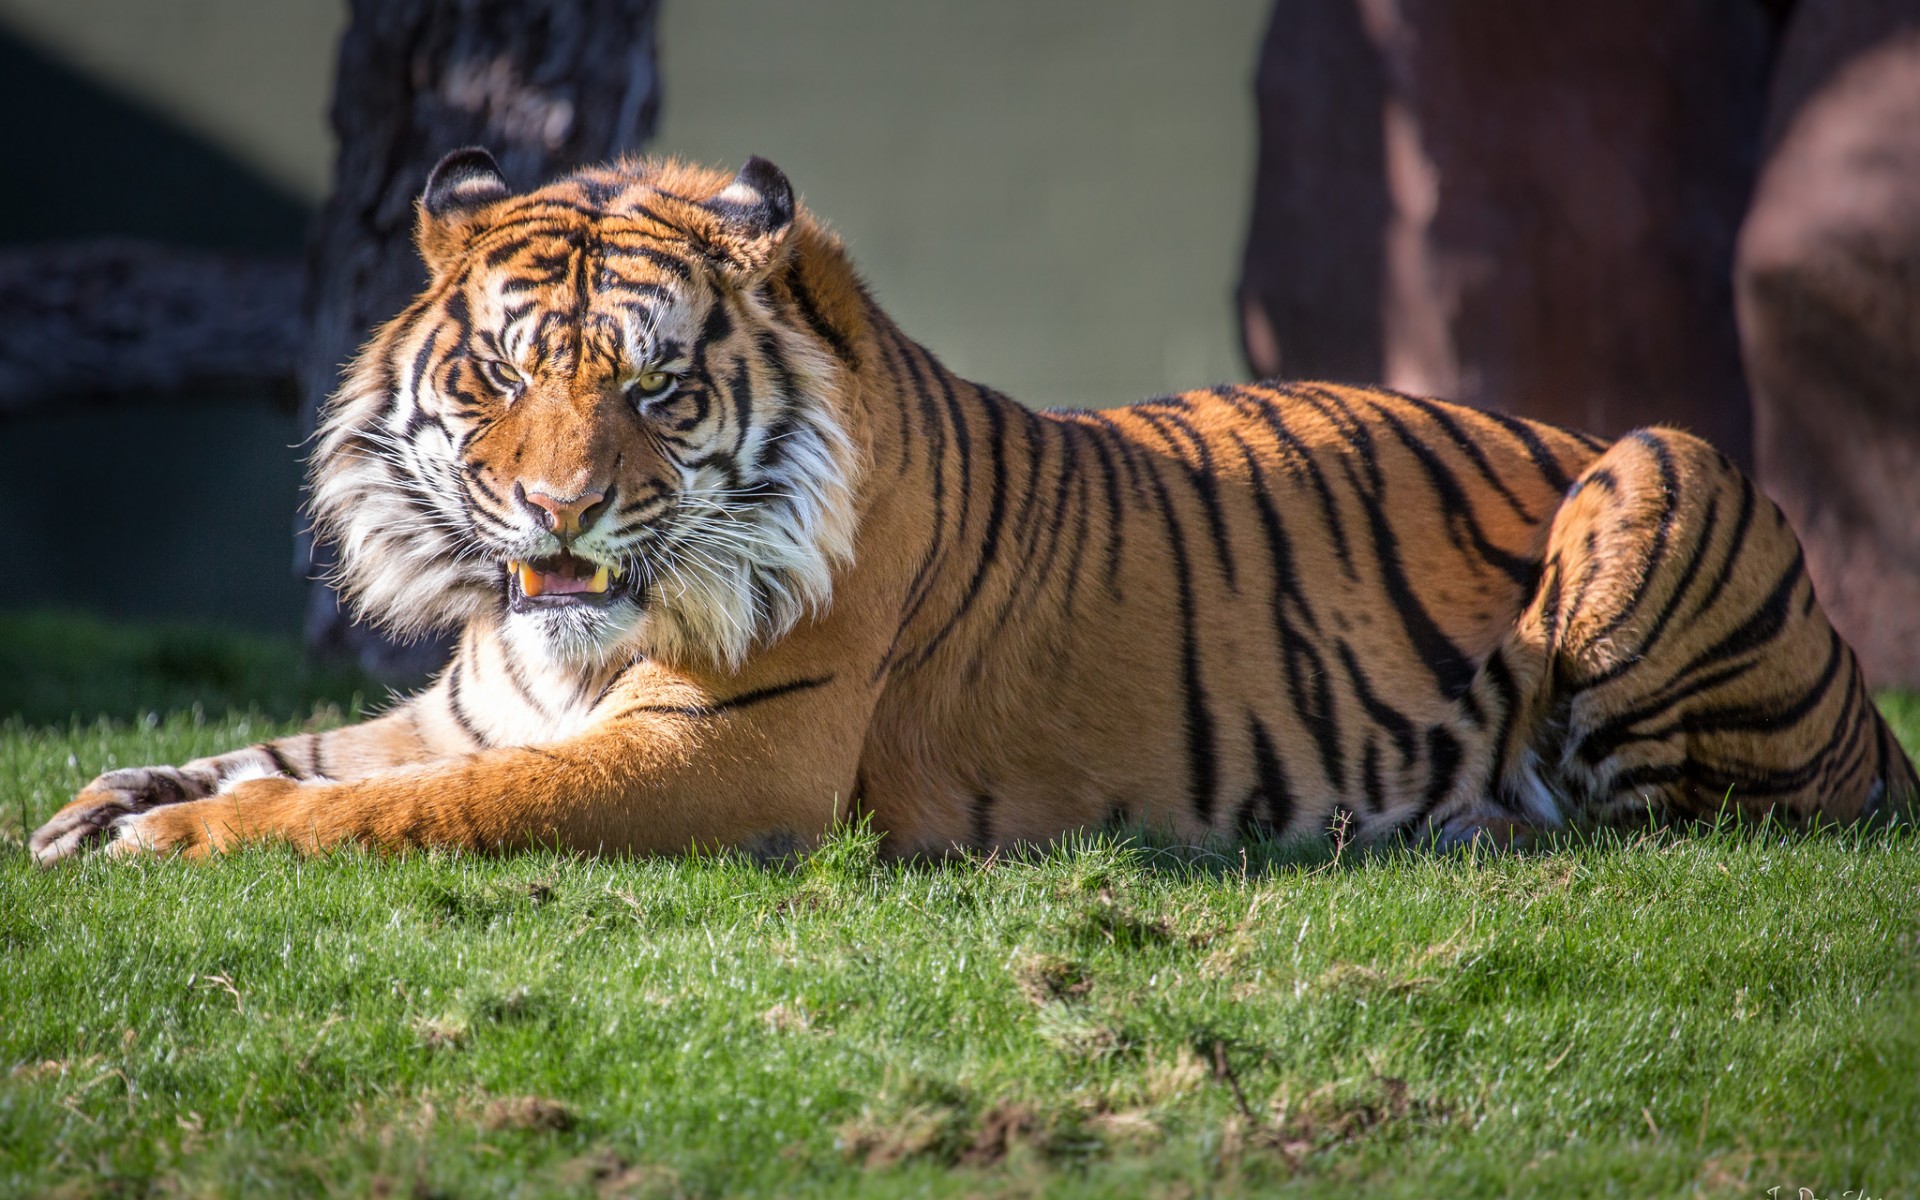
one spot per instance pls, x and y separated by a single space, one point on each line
651 383
503 377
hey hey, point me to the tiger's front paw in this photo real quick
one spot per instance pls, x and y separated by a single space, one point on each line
248 810
108 800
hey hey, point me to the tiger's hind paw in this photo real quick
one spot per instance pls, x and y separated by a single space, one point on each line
1485 830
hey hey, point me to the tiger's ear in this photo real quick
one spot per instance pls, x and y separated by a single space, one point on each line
756 213
460 187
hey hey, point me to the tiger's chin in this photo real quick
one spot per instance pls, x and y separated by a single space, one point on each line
577 634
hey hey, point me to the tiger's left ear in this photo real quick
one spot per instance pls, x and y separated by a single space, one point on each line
756 213
459 189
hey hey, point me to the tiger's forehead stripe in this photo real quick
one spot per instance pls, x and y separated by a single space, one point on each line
609 305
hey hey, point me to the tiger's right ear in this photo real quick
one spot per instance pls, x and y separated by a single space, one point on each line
461 186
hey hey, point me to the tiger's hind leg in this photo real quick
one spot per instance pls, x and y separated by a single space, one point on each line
1675 663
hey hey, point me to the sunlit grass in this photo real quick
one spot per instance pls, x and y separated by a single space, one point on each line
1721 1014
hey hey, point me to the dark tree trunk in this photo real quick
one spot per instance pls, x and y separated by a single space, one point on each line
544 84
1829 300
1523 205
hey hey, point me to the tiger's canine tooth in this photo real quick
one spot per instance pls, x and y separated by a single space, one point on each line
529 580
599 581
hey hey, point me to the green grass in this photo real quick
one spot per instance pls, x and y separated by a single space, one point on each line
1720 1014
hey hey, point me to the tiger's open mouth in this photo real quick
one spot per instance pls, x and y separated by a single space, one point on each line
563 580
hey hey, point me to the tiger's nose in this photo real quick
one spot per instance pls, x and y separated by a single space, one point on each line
568 518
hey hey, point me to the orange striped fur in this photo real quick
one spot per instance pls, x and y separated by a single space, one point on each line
813 573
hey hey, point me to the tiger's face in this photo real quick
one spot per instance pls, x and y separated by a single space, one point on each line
600 425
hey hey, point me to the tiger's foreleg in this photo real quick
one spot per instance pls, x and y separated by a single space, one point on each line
420 731
654 777
1677 663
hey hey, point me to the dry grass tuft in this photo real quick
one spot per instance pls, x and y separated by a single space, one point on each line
534 1113
1049 979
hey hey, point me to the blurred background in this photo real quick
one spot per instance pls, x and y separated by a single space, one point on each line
1705 212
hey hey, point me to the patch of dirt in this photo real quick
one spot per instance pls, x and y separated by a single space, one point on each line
1346 979
792 1018
917 1130
613 1177
1076 1033
1049 979
1114 920
1341 1114
1130 1129
1169 1079
528 1112
1001 1128
1749 1173
445 1032
53 1068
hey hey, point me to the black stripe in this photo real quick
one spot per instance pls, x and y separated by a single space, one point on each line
1455 507
732 703
280 762
1046 522
1026 522
665 260
1389 718
810 313
1527 434
1763 626
1310 688
1097 436
1443 416
1499 677
1662 530
983 805
1073 442
1370 776
1203 778
1709 523
1201 474
1452 669
1443 767
458 709
1272 790
313 754
1736 545
521 686
900 357
990 538
1776 721
1275 422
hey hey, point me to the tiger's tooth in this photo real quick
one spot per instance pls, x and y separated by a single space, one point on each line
599 581
529 580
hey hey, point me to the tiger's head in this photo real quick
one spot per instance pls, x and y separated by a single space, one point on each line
614 421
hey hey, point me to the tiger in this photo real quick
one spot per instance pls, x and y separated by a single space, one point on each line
731 561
